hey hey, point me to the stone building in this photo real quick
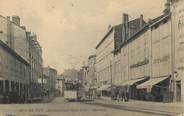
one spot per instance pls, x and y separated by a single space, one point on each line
104 60
25 45
148 62
36 62
91 71
91 79
15 56
108 66
51 74
14 35
14 71
60 84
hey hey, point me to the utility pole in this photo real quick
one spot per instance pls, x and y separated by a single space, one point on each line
111 76
173 81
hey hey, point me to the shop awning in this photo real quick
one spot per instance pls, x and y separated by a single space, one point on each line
1 78
104 87
93 87
131 82
151 82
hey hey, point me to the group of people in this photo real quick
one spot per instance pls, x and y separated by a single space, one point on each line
120 94
13 97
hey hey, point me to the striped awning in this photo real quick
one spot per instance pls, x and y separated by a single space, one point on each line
104 87
151 82
131 82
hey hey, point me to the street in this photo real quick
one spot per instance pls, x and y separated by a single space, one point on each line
60 107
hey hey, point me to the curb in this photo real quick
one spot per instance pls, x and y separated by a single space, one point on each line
135 109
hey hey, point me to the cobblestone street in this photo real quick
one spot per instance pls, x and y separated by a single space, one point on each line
61 107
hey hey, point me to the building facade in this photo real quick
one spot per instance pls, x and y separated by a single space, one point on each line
14 72
15 57
147 60
14 35
36 63
90 79
51 81
91 71
144 57
150 61
25 45
60 84
177 19
104 60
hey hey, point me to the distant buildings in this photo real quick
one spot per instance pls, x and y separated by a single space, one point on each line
70 75
51 75
91 71
60 84
36 62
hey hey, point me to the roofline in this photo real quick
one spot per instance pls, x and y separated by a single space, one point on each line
103 39
91 56
50 68
12 52
155 23
133 37
143 29
13 23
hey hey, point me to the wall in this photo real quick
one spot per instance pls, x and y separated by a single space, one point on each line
15 37
12 68
4 30
21 43
139 56
148 55
161 50
35 58
52 75
178 34
91 73
104 59
117 70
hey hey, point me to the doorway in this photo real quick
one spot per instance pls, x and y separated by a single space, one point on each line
178 91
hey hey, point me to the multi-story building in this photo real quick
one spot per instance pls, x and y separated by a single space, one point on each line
91 71
36 63
108 67
91 80
151 59
104 60
24 44
14 71
51 74
60 84
14 35
15 55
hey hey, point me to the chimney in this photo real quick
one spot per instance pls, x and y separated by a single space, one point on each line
125 18
109 27
8 17
167 7
141 20
16 20
23 27
125 26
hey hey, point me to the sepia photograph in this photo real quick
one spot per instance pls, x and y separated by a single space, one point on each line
91 57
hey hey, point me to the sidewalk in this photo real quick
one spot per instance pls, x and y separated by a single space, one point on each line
176 108
47 100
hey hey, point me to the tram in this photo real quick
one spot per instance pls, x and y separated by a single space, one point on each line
72 91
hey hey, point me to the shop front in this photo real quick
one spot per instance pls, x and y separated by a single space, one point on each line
156 89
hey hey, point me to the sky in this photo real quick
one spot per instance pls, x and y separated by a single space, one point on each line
69 30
